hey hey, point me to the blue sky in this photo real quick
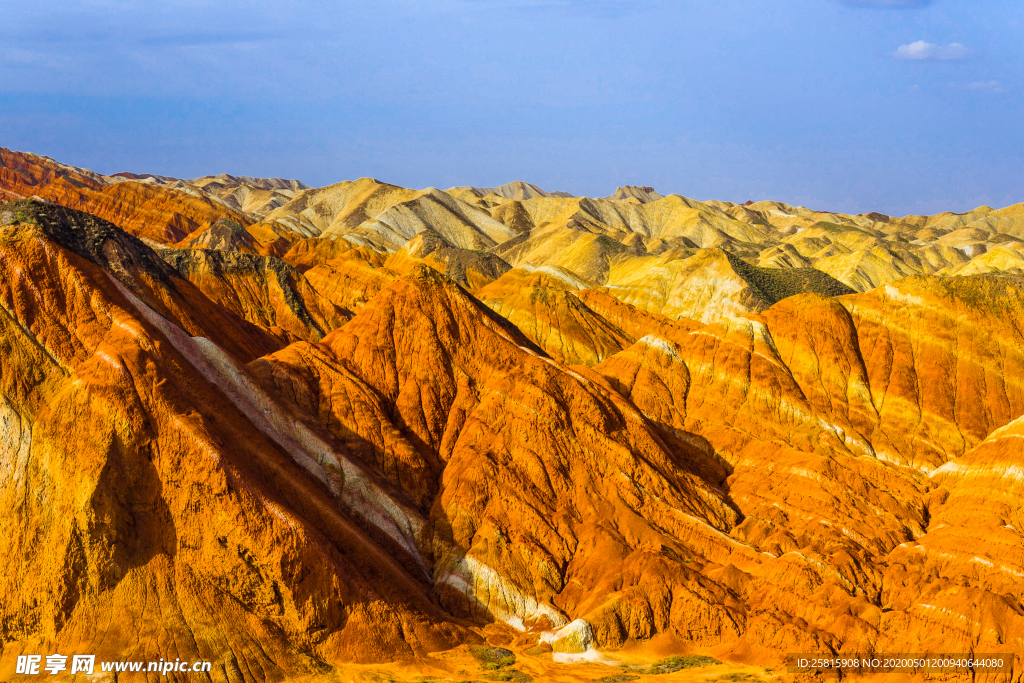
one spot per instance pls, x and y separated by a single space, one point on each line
900 106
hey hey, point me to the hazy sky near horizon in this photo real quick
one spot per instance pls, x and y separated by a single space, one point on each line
900 106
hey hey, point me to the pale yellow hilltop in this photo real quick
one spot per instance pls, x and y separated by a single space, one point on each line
670 255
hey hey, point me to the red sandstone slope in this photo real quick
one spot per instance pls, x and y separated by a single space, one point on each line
787 416
160 214
965 572
262 289
489 436
168 504
803 403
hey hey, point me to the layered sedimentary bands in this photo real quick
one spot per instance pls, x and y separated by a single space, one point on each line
284 429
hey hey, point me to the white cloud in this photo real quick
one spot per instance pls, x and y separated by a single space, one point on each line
987 86
921 50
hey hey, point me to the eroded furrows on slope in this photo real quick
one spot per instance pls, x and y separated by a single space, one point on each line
461 566
759 372
923 353
955 345
489 429
354 487
747 482
63 412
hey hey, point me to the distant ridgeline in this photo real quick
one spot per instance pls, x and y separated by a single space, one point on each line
283 429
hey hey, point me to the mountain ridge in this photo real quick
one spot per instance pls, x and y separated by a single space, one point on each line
377 429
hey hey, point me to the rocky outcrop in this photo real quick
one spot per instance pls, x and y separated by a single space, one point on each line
141 270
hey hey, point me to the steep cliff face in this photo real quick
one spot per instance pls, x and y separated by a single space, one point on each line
154 498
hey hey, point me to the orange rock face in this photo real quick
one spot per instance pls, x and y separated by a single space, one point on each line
262 289
150 499
156 213
285 453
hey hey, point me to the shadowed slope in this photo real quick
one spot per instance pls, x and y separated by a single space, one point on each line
506 434
173 505
542 303
262 289
710 284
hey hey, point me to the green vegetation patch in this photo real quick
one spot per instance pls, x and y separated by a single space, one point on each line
493 657
230 225
16 217
678 663
775 284
610 244
617 678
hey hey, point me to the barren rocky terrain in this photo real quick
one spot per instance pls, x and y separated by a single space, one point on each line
373 433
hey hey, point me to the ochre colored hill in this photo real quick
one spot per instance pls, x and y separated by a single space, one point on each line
170 501
710 284
257 196
471 269
252 196
561 324
517 189
222 236
315 251
474 409
141 270
262 289
976 519
159 214
375 431
638 195
523 224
